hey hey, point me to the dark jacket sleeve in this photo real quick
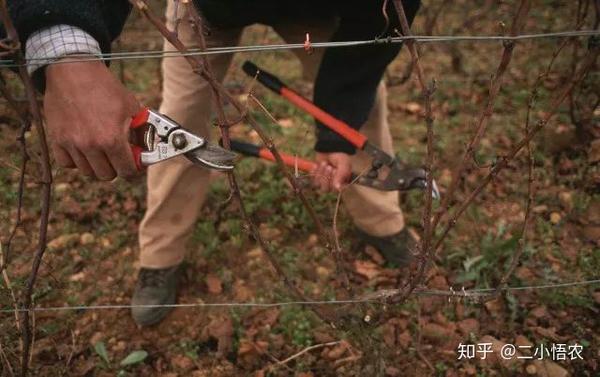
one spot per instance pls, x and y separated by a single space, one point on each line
348 77
102 19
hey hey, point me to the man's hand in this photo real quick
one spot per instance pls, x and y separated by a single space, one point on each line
333 171
88 112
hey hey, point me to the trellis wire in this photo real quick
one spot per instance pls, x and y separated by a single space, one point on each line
131 55
463 293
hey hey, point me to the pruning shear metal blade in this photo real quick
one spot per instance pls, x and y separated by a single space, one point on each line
213 157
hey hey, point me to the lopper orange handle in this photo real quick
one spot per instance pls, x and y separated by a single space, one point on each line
291 161
254 150
341 128
277 86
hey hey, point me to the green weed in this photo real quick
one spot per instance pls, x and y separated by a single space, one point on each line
133 358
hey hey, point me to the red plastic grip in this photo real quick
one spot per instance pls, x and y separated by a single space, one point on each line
140 119
341 128
291 161
137 156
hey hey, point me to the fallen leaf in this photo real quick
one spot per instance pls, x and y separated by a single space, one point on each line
594 151
550 333
522 341
269 233
63 241
182 362
87 238
468 326
77 277
592 233
267 317
566 200
433 331
413 107
337 351
404 339
557 139
61 188
240 291
245 347
375 255
592 214
470 370
323 272
255 253
524 273
494 356
493 306
367 269
220 329
130 205
547 368
539 312
313 240
214 284
439 282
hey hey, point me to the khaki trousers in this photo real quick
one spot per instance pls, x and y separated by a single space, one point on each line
177 188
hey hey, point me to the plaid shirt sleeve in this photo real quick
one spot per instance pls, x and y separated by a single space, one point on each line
52 43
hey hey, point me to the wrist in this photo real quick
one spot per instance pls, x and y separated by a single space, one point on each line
74 73
74 63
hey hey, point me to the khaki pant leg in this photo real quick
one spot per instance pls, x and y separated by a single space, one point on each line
176 187
375 212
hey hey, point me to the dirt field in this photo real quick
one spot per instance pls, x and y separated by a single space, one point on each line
93 231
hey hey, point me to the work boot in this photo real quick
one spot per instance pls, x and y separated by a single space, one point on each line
154 287
396 249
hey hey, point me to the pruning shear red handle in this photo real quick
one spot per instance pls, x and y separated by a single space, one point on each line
137 123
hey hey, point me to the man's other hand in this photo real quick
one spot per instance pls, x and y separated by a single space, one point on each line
333 171
88 112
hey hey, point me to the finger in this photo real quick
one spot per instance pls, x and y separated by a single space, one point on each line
121 159
341 176
322 178
326 182
62 157
81 162
318 173
99 162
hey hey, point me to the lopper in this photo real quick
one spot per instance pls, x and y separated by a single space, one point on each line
163 138
399 176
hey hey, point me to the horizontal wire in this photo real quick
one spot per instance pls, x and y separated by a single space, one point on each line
477 292
256 48
130 55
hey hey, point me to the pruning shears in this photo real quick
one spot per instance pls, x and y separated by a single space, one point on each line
163 138
399 176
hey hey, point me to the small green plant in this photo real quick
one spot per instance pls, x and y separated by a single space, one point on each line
135 357
189 348
495 250
296 325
